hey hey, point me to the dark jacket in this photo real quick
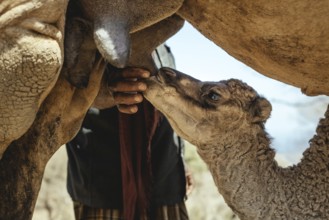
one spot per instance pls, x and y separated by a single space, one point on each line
94 174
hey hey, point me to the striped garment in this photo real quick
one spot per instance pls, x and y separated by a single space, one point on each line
172 212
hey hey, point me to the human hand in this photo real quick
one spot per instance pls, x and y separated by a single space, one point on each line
122 88
127 89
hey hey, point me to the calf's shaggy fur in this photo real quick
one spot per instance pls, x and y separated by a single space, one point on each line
225 120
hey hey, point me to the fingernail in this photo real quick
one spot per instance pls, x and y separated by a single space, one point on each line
145 74
138 98
133 109
142 86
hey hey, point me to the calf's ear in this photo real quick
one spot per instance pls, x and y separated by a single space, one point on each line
260 110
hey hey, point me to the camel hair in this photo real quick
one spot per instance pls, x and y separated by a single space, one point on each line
225 121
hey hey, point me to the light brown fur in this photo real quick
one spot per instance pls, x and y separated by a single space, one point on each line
225 120
32 50
31 56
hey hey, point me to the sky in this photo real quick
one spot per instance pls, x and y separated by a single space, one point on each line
288 126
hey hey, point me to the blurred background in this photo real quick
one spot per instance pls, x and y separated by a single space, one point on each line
292 124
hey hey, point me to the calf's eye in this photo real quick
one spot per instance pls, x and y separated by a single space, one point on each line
213 96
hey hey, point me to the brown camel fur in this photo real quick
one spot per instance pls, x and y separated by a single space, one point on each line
225 120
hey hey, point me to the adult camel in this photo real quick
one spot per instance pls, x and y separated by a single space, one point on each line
286 42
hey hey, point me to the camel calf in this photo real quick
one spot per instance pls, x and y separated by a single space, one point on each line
225 120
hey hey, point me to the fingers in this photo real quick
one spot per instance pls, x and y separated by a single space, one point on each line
127 103
128 86
127 98
128 109
135 73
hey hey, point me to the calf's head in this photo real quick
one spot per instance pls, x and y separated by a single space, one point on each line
202 112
